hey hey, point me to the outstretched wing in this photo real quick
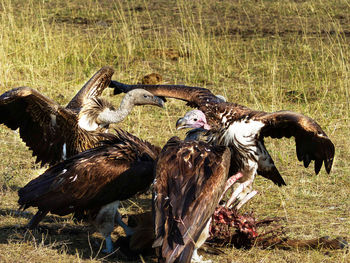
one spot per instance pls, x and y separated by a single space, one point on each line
93 88
41 122
312 143
114 171
190 177
267 168
195 96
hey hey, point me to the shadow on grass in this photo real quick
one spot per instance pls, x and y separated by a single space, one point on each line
64 235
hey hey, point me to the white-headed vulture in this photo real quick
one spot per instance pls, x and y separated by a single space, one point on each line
54 132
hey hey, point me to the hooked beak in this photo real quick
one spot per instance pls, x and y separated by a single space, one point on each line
158 102
181 123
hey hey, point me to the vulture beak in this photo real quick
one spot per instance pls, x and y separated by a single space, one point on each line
158 102
181 123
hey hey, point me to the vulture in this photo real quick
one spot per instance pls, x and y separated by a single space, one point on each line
191 178
54 132
244 130
91 183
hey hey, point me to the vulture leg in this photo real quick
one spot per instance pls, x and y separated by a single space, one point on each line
240 192
36 219
128 231
109 245
246 199
105 223
230 181
197 258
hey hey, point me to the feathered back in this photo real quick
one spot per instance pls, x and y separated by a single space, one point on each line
116 170
190 177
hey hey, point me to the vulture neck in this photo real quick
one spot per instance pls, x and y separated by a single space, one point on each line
109 116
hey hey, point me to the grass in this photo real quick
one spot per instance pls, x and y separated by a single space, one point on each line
268 55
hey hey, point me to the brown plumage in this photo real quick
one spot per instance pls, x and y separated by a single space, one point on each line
92 182
54 132
244 130
190 178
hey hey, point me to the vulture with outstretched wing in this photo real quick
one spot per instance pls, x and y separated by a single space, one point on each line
54 132
91 183
244 130
191 178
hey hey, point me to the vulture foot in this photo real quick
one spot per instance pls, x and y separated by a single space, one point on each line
198 259
128 230
246 199
240 193
109 245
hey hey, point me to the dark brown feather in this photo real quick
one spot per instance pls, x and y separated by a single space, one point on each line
195 96
190 177
38 118
92 89
311 141
116 170
45 126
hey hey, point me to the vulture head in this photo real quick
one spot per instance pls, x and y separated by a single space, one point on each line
133 98
144 97
193 119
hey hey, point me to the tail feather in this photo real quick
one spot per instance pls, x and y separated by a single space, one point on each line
35 189
186 254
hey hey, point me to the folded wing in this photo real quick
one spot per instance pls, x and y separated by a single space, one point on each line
190 177
117 170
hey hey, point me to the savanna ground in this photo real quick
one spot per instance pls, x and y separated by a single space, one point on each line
268 55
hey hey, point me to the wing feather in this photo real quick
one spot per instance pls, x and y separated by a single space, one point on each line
41 121
195 96
93 88
312 143
187 190
91 179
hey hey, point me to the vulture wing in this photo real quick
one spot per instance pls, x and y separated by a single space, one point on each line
195 96
113 171
190 177
267 168
93 88
41 122
312 143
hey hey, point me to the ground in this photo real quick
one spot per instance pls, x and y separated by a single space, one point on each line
267 55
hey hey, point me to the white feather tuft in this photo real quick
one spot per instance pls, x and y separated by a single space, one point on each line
86 124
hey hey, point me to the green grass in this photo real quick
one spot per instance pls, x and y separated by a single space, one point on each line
268 55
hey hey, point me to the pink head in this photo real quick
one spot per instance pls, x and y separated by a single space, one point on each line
193 119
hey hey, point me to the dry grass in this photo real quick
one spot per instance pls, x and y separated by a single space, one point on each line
268 55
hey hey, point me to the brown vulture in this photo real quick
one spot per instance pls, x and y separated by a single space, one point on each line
244 130
54 132
191 178
91 183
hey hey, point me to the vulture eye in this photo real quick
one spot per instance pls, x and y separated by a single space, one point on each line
145 96
195 119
